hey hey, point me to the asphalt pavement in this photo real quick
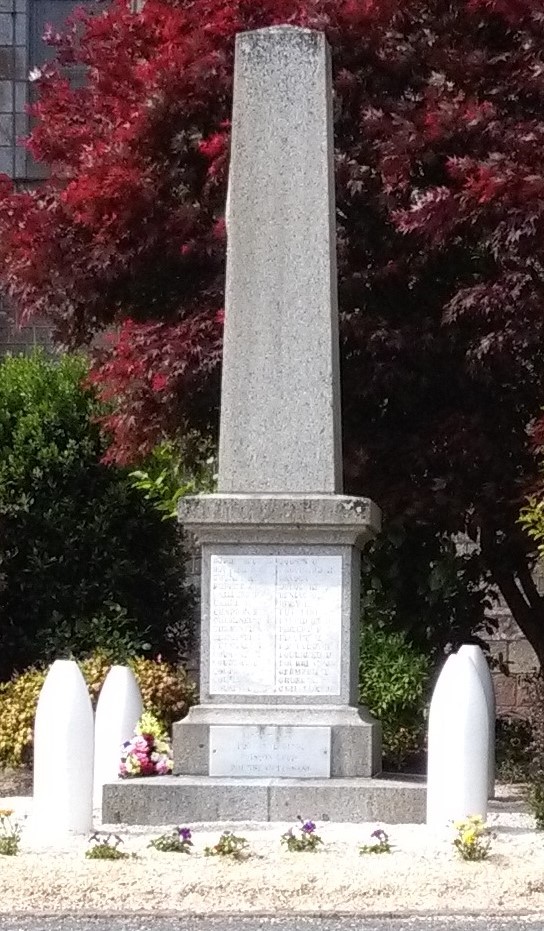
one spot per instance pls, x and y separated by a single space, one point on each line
235 923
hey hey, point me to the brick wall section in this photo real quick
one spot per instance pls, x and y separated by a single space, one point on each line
18 339
13 85
510 648
509 644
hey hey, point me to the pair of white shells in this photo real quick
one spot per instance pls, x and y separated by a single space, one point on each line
76 751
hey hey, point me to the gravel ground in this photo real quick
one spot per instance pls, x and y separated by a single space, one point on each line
423 874
295 923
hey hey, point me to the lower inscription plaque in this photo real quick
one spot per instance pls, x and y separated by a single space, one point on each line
270 751
275 625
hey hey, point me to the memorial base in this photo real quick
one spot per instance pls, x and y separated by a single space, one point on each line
279 678
304 741
167 800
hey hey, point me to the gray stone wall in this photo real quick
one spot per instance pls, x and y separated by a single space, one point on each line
22 24
16 338
14 67
509 646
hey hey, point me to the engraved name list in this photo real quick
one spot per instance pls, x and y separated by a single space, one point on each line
275 625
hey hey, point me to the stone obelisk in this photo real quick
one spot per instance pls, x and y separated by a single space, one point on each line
280 542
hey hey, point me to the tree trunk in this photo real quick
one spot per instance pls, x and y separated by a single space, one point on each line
512 574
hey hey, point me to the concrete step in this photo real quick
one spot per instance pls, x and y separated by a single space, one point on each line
190 799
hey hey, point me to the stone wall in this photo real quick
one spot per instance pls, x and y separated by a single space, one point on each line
18 339
509 646
14 41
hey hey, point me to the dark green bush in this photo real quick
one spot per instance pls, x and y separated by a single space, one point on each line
418 581
85 560
393 684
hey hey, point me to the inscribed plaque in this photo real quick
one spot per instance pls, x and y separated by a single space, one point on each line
270 751
275 625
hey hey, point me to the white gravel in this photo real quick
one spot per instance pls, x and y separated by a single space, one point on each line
422 874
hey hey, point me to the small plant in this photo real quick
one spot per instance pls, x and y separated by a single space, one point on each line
535 776
514 739
149 752
229 845
105 847
473 838
379 843
10 833
301 837
535 798
178 841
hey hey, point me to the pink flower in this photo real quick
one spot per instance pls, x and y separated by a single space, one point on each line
147 768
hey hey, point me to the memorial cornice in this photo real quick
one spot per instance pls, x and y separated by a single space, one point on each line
280 518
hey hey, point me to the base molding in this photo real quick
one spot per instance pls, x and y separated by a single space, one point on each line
164 800
352 734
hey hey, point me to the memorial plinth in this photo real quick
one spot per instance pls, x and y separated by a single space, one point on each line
279 639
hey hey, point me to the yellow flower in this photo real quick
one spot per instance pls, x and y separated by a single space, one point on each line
476 820
6 812
468 837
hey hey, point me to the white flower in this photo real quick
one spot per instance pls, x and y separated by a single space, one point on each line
35 74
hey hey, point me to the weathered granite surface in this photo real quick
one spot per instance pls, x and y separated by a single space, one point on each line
280 557
280 402
192 799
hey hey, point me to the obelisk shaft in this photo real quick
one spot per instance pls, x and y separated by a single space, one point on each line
280 407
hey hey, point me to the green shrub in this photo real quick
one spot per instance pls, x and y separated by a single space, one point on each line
393 684
535 798
85 559
18 700
513 749
106 851
165 689
535 789
10 833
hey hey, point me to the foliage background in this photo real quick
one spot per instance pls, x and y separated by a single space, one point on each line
85 560
439 162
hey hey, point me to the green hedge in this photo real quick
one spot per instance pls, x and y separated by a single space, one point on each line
85 560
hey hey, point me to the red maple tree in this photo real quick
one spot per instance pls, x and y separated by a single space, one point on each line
439 123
